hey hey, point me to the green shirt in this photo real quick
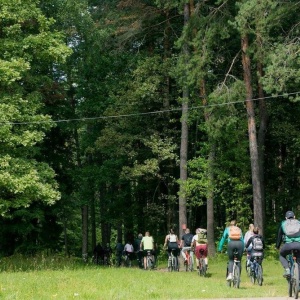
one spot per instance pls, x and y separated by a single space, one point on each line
148 242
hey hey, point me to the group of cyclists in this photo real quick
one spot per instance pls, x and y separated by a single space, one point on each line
252 242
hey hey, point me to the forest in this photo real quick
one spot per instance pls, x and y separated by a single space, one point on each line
121 116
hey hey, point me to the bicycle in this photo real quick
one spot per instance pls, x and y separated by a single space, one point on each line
202 268
119 259
127 259
293 279
149 260
256 270
189 260
248 264
236 272
140 259
173 261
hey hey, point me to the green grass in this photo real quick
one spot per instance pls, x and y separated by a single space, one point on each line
58 278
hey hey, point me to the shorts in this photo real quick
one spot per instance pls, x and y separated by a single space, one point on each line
203 249
145 252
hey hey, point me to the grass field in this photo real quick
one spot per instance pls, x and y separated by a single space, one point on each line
59 278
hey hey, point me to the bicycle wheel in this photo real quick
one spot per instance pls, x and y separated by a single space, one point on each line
149 263
248 268
202 267
290 286
236 276
127 261
259 274
170 264
295 280
190 263
252 274
174 263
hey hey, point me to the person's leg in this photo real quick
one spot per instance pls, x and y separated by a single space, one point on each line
197 254
230 248
183 253
145 259
205 252
284 251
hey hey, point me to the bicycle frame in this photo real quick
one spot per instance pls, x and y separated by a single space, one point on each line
189 260
173 261
149 260
236 272
256 271
201 264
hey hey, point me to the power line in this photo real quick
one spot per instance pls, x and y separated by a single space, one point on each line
145 113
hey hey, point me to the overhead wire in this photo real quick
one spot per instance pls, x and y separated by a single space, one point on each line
146 113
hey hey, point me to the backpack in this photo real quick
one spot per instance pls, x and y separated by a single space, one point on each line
188 240
235 233
291 228
257 243
201 238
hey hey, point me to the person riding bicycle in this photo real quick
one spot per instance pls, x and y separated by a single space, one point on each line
129 250
289 234
171 240
257 244
119 252
186 243
234 236
147 244
199 244
138 250
247 236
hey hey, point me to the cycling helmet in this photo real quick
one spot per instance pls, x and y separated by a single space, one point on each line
289 214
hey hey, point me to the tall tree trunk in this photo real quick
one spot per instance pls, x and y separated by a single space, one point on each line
253 147
210 192
84 216
67 253
84 208
263 122
184 139
93 223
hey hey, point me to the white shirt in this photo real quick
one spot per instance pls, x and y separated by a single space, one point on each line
128 248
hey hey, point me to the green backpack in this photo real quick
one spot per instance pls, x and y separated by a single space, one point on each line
202 239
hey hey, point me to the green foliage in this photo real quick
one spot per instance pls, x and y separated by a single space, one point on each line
282 73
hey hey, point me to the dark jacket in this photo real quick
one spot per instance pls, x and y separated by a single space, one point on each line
251 240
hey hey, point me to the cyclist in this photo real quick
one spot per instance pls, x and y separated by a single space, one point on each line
128 250
119 251
138 250
147 244
233 235
199 243
247 236
289 234
257 245
171 241
186 243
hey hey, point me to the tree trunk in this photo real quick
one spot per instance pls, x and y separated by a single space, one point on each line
184 140
253 147
84 214
93 223
210 192
263 121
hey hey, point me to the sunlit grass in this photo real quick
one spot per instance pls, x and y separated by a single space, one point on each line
58 278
